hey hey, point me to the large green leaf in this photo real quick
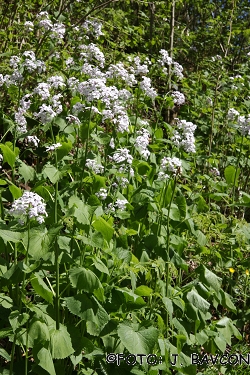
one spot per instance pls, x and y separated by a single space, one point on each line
27 172
39 241
80 211
18 319
137 338
195 299
51 172
8 155
182 206
5 301
8 235
89 310
209 278
60 342
15 191
38 331
41 288
63 150
5 354
84 279
43 357
104 228
231 176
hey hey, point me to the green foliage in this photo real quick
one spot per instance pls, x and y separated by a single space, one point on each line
142 245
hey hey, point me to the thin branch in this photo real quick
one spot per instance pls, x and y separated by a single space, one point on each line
94 9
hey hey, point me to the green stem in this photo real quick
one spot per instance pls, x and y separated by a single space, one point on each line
235 175
57 291
245 291
85 156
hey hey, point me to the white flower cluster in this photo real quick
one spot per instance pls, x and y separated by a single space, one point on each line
57 29
53 147
31 63
178 97
29 26
145 86
92 71
93 27
92 164
140 68
102 194
46 113
120 204
33 140
122 155
142 142
73 119
172 165
92 53
30 205
56 82
232 114
215 171
165 59
19 115
118 71
96 89
184 136
243 122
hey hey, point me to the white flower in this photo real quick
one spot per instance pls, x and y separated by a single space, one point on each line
123 181
53 147
16 77
184 136
46 113
73 119
21 121
102 194
92 53
69 62
140 68
29 205
162 176
122 155
172 165
14 61
145 86
215 171
56 82
92 164
73 83
56 104
29 25
25 102
165 58
33 140
177 70
58 30
118 71
93 27
42 89
120 204
142 142
77 108
244 124
232 114
178 97
112 143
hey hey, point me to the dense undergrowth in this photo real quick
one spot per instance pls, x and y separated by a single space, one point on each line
124 196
